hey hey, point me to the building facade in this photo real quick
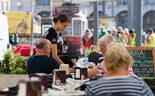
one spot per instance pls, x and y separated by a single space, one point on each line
4 6
119 10
41 7
109 8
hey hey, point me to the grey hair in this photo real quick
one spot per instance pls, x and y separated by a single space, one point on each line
106 39
41 43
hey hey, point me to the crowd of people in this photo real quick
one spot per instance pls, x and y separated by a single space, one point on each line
125 36
115 63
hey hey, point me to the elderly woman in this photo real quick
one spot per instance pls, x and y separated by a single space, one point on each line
116 81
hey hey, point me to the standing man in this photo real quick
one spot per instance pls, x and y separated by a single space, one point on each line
132 38
150 38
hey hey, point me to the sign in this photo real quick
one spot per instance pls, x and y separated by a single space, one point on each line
45 25
19 22
58 1
143 61
108 23
73 9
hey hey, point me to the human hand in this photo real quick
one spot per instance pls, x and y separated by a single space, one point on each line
71 70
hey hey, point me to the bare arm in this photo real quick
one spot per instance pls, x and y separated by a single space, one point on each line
55 54
148 39
92 73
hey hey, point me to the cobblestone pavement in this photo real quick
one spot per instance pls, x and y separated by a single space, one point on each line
8 80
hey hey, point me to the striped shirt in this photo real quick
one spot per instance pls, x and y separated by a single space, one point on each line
116 86
101 68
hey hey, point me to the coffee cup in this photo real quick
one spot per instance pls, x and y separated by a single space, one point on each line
91 65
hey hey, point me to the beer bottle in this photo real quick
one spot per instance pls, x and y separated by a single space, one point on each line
22 27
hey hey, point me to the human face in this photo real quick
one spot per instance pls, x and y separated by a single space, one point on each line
102 49
62 26
48 49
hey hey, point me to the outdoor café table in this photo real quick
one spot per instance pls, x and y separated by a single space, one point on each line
53 92
66 90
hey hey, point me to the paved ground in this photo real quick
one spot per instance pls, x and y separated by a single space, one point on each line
8 80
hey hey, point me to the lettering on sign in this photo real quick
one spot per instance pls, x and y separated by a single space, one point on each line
143 63
137 53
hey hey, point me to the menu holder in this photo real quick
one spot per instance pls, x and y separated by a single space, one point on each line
43 78
78 73
29 88
59 77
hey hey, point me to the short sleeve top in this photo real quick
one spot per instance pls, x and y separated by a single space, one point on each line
51 35
41 64
102 70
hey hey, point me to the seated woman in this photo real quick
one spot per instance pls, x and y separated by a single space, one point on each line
116 81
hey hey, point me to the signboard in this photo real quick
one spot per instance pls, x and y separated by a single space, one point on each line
45 25
107 23
73 9
143 61
58 1
19 22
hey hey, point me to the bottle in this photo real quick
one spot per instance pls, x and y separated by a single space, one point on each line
60 44
77 73
85 62
22 27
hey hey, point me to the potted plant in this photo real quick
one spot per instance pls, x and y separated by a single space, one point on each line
13 63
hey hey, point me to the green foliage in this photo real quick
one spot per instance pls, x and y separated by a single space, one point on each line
13 63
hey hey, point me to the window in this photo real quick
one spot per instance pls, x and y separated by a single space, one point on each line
150 18
2 6
43 2
77 27
150 2
68 30
122 19
122 2
7 6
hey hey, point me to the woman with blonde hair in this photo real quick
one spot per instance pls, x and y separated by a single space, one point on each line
116 81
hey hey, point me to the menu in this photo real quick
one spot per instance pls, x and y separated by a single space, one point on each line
143 61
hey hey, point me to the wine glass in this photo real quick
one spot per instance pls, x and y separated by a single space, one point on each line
73 75
82 78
